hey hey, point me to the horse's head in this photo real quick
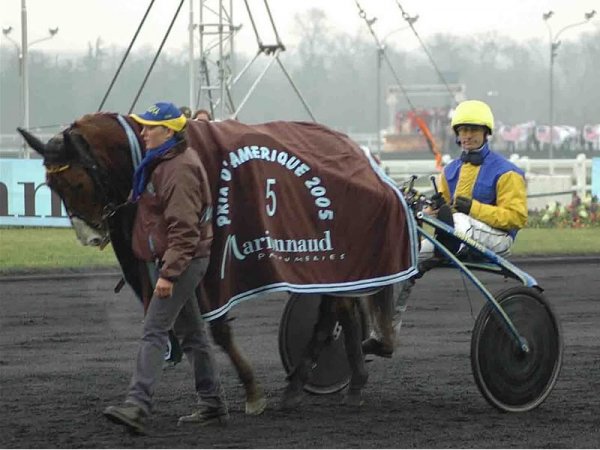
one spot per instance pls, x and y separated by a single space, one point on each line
86 169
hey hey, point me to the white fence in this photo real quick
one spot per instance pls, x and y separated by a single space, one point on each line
540 176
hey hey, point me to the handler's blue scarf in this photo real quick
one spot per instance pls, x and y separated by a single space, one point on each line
140 176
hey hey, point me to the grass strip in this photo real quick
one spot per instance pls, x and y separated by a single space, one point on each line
58 248
49 248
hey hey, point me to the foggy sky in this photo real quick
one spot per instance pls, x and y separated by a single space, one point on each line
115 21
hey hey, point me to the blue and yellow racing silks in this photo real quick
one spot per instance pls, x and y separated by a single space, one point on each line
497 188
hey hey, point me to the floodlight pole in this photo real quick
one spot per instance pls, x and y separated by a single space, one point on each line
554 45
24 72
191 68
378 115
23 55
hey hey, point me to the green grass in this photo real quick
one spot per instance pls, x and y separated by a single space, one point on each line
51 248
561 241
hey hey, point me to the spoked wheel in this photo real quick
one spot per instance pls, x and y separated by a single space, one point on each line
332 372
509 378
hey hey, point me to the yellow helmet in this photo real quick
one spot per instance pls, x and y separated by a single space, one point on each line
473 112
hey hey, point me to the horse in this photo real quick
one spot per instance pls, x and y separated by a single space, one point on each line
90 166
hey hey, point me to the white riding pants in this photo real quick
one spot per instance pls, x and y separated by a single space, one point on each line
496 240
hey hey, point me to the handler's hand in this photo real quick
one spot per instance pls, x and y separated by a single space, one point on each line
164 288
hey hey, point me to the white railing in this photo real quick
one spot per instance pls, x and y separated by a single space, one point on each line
13 146
8 141
579 170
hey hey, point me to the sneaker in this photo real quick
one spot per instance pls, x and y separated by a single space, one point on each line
206 416
372 346
130 415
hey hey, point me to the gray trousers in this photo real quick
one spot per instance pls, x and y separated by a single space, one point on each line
181 313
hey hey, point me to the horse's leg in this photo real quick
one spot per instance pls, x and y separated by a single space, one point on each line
292 395
347 311
381 311
256 401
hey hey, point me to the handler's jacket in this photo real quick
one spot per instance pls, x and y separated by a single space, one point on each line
497 188
173 220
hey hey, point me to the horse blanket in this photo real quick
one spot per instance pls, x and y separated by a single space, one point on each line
301 208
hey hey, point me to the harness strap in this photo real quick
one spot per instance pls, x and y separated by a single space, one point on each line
134 144
136 158
57 169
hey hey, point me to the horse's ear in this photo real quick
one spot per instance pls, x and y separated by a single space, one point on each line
75 145
33 141
71 144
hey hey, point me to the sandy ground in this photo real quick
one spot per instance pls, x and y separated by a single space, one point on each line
67 350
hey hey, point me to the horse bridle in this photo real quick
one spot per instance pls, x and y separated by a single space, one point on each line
97 173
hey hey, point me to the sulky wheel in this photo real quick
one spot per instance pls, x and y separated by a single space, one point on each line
332 372
510 379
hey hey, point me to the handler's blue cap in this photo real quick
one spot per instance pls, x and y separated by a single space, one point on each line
165 114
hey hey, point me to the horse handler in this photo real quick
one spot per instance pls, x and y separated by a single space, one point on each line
173 234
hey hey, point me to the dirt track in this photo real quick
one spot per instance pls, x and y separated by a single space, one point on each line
67 349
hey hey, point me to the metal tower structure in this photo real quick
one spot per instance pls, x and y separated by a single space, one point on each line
215 67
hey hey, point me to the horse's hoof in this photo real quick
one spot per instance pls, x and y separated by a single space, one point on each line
256 407
291 399
354 398
372 346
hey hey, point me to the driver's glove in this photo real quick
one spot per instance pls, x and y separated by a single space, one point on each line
437 200
463 204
